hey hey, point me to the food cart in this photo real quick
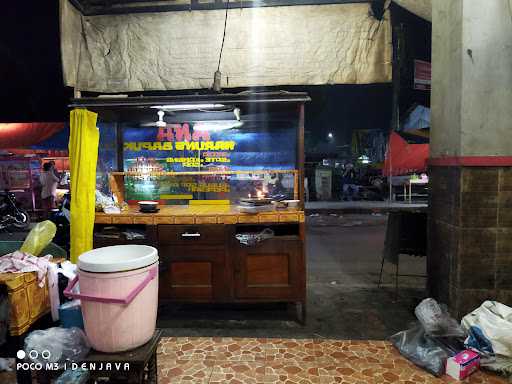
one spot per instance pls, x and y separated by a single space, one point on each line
199 156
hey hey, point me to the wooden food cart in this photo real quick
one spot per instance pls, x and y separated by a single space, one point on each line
201 259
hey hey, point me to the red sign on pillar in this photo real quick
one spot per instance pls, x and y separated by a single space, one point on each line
422 75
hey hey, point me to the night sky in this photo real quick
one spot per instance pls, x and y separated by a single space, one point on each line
30 69
32 87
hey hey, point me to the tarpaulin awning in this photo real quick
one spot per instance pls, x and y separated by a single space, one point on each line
403 158
42 152
15 135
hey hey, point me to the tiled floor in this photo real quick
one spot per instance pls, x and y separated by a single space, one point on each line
289 361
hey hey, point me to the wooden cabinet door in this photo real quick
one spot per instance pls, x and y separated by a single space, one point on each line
273 269
194 273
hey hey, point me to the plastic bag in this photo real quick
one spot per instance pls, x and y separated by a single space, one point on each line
490 329
57 345
67 269
436 320
252 239
425 351
77 376
39 238
103 201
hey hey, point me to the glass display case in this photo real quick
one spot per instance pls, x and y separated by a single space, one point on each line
182 151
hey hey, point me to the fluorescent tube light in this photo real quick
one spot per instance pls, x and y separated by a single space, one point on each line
217 125
187 107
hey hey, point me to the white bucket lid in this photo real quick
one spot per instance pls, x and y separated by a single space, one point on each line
117 258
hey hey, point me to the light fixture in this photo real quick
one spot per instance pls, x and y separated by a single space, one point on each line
236 112
364 159
330 135
217 125
160 122
187 107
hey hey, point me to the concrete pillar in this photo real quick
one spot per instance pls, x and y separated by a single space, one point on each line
470 221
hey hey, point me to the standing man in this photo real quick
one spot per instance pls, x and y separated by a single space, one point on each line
55 170
350 188
49 183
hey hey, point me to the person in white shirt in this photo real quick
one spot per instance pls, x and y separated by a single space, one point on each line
49 183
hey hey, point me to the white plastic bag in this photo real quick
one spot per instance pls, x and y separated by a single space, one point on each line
490 324
67 269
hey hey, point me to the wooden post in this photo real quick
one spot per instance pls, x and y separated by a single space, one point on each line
300 154
398 50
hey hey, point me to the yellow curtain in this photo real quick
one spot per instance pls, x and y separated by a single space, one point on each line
83 155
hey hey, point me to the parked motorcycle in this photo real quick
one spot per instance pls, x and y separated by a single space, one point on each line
11 215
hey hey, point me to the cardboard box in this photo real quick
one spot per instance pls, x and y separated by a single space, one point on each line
462 364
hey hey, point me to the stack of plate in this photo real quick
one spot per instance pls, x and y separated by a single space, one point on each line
148 206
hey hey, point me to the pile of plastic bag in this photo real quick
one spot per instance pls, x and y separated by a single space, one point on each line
435 338
489 329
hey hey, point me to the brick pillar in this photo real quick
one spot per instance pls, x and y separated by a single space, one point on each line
470 221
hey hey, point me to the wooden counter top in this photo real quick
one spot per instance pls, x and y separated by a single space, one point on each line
198 214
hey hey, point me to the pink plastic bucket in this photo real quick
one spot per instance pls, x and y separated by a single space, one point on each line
119 306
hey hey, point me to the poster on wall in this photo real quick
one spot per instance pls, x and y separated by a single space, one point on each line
212 148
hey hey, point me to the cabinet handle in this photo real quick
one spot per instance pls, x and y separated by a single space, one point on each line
186 234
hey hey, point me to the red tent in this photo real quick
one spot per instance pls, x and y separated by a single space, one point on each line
15 135
404 158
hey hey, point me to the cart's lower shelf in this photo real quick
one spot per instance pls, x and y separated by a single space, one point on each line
202 261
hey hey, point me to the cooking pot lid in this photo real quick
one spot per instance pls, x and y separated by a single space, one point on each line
117 258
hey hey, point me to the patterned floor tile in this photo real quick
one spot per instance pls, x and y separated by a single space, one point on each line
238 373
291 372
240 349
184 371
296 350
291 361
193 348
356 351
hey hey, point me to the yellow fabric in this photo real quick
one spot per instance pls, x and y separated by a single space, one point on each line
83 155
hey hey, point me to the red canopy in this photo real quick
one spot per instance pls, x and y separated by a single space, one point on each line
403 158
15 135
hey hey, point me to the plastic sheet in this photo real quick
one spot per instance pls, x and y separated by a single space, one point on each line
7 364
57 345
251 239
436 320
39 238
78 376
424 351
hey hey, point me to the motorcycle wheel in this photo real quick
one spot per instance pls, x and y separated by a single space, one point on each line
21 219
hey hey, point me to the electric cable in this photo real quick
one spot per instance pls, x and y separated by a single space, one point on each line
223 34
